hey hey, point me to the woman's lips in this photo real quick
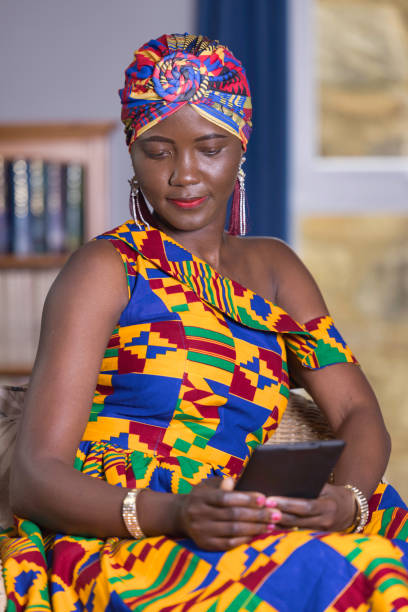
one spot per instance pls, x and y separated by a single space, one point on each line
187 203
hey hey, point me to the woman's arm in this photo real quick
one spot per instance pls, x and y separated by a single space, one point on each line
345 396
81 310
341 391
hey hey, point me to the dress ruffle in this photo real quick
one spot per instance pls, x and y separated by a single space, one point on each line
138 469
315 344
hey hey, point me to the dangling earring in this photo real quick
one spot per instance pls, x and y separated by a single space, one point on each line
238 223
135 205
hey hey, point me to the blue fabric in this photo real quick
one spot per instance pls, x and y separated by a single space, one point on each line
256 32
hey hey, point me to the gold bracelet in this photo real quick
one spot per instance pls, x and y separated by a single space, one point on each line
129 514
361 517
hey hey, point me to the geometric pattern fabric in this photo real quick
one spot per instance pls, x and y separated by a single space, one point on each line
193 378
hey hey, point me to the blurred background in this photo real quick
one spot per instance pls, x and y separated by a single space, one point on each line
326 166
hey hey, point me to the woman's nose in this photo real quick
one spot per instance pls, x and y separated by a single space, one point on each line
184 171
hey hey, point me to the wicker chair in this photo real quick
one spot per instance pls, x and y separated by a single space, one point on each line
301 421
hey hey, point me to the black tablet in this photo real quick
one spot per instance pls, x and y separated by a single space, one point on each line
291 470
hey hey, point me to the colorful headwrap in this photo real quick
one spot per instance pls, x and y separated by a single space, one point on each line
180 69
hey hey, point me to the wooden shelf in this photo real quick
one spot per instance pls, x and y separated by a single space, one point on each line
33 262
87 144
20 371
54 131
25 280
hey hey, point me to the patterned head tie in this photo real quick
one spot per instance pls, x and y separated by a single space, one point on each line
180 69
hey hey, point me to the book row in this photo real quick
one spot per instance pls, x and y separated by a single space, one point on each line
41 206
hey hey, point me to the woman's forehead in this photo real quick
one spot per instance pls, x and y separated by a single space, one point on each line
186 123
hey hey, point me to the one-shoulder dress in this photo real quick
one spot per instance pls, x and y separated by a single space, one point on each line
193 378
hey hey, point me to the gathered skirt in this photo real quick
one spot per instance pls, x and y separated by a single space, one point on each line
292 571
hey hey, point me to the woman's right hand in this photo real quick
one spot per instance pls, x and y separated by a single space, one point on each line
216 517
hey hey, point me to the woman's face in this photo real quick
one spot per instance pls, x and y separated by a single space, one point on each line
187 166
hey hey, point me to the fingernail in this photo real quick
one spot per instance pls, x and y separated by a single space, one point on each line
260 500
270 527
271 503
276 516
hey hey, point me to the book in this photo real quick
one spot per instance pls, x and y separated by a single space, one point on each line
37 205
73 206
4 213
54 208
18 198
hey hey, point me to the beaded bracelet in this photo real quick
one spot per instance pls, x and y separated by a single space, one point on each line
129 514
362 513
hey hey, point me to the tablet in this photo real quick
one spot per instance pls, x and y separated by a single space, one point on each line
291 470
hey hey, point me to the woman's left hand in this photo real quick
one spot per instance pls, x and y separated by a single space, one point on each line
333 510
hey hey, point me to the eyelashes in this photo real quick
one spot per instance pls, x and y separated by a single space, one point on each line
164 154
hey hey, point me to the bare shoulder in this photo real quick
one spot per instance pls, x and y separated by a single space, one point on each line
94 257
261 246
83 304
270 257
284 278
96 268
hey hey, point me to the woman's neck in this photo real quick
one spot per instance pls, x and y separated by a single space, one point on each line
209 243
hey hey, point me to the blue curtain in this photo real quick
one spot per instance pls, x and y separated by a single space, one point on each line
256 32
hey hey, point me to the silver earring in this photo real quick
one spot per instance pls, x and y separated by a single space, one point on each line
242 199
134 203
238 223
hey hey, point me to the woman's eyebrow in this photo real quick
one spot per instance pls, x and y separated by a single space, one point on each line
210 137
158 138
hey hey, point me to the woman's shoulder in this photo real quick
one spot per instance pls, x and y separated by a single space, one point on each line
283 277
94 256
276 251
95 269
267 257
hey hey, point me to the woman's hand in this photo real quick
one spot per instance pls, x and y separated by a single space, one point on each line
218 518
333 510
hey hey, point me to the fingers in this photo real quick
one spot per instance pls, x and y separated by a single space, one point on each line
227 484
220 492
219 519
298 507
202 508
235 529
324 513
225 535
223 543
243 514
224 497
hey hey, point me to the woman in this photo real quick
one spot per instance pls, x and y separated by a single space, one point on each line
195 329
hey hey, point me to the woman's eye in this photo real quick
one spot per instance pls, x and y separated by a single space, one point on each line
157 154
211 152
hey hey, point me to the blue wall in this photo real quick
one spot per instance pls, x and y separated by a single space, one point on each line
256 32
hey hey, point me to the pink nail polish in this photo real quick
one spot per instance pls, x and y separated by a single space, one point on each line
270 503
276 516
260 500
270 527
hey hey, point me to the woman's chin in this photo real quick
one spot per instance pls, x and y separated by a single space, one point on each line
182 222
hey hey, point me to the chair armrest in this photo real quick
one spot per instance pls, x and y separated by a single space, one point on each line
11 408
302 421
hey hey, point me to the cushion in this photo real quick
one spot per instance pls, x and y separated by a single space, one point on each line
11 407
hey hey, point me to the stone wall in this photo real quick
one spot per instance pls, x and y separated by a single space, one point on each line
362 71
361 266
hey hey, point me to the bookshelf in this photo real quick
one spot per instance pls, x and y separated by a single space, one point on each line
26 278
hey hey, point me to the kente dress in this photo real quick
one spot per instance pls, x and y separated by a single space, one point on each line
193 378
